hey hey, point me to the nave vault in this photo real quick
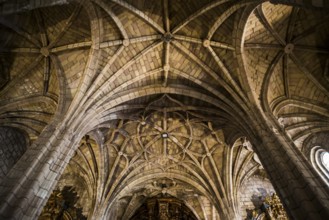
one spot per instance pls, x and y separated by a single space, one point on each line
136 109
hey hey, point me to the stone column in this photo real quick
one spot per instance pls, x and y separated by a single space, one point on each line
26 188
303 193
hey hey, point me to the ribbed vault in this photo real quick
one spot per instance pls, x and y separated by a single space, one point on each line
158 54
130 99
164 148
292 76
38 78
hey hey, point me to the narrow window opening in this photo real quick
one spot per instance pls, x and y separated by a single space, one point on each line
325 160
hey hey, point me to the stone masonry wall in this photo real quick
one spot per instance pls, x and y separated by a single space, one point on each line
12 147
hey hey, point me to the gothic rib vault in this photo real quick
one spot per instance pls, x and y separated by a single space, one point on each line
127 100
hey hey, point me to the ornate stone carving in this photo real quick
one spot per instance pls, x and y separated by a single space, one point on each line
271 209
61 206
163 208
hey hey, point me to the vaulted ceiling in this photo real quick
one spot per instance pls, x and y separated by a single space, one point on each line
128 72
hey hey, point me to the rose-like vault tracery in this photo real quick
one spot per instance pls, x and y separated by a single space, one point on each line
164 149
